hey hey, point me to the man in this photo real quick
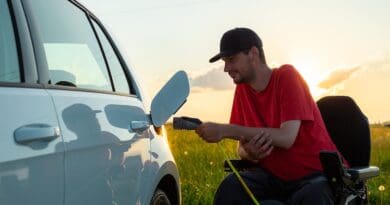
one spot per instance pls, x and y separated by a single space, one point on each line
278 126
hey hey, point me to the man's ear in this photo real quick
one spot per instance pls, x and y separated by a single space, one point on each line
253 52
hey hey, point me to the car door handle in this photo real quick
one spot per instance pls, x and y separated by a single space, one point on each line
139 126
35 132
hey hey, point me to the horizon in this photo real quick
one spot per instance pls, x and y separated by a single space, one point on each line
340 48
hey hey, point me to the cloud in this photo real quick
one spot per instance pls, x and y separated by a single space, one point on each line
214 79
368 85
337 77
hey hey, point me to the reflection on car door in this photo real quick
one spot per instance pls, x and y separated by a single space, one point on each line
104 157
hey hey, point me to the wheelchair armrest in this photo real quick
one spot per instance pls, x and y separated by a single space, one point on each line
338 176
333 167
239 165
363 173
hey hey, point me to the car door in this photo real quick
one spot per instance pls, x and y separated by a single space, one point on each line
102 120
32 150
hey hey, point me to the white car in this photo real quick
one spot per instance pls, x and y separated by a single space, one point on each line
74 129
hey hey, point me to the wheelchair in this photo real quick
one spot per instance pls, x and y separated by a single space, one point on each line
349 129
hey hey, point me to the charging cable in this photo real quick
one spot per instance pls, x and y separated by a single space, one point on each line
188 123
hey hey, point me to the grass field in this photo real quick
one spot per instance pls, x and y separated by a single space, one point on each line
201 165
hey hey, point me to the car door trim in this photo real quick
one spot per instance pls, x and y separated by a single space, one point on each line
27 64
39 51
21 85
61 87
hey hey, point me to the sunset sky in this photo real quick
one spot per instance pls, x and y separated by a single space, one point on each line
340 47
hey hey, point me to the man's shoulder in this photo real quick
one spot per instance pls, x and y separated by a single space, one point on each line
286 71
287 68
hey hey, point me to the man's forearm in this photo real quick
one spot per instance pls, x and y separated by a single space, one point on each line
280 137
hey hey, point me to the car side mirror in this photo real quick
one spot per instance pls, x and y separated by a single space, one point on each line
170 98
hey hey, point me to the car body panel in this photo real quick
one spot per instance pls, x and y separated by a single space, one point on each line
31 173
104 158
97 146
163 164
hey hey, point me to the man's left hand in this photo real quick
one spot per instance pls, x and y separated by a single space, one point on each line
259 146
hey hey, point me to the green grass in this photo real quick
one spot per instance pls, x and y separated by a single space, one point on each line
380 156
201 165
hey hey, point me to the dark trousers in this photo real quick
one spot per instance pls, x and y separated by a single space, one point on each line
269 190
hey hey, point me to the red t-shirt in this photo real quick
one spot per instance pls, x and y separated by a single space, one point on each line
286 97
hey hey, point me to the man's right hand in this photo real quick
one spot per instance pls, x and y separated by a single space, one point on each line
210 132
257 147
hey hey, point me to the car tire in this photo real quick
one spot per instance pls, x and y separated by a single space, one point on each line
160 198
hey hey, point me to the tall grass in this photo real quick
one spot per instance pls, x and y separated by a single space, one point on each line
201 165
380 156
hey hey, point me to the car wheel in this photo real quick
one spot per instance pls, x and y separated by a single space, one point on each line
160 198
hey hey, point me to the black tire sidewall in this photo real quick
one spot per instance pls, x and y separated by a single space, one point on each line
160 198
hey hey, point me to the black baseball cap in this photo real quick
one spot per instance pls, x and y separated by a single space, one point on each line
235 41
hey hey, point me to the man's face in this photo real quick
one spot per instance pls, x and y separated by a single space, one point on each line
239 68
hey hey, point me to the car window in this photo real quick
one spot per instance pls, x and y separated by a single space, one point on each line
71 49
121 84
9 65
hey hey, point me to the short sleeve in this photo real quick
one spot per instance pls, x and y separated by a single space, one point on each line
295 98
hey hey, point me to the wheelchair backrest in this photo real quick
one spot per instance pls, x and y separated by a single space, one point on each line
348 127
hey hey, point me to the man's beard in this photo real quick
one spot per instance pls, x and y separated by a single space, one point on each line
238 81
243 79
246 75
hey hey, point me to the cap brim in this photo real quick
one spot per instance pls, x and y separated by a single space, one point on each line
221 55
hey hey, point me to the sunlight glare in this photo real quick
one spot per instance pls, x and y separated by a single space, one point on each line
310 73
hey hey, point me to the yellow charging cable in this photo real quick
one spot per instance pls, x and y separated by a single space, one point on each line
189 123
248 191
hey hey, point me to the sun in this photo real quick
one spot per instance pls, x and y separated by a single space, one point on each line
310 72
